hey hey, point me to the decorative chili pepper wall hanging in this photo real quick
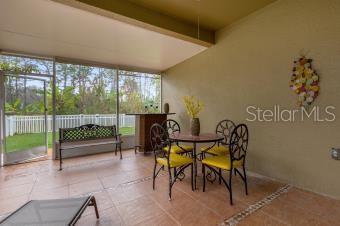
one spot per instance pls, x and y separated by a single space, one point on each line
304 81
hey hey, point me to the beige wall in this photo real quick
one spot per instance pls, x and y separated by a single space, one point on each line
251 65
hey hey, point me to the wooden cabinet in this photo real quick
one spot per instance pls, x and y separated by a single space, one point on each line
142 128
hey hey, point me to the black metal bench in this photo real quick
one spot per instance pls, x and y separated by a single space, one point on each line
71 138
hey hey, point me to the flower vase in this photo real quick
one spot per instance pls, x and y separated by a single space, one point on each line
195 126
166 108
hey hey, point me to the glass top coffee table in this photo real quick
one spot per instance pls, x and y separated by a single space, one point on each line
54 212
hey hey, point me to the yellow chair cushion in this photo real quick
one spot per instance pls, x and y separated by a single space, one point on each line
175 160
216 150
175 149
222 162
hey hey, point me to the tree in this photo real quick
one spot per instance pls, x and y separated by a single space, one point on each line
79 89
16 88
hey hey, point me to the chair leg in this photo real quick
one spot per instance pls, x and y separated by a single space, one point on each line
154 176
230 187
245 179
170 182
60 160
135 150
192 177
116 149
219 178
202 163
175 172
203 169
120 151
94 204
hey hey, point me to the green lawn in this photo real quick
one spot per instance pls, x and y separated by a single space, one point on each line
127 130
20 142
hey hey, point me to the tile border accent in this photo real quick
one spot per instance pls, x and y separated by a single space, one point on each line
139 180
235 219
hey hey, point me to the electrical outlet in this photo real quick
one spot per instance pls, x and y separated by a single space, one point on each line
335 153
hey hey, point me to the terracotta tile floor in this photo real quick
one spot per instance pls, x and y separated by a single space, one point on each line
124 194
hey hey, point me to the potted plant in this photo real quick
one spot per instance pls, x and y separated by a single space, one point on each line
193 107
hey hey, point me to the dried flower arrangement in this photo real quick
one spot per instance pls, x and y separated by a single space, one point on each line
304 81
193 106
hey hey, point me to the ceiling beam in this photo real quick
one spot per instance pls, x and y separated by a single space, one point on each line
128 12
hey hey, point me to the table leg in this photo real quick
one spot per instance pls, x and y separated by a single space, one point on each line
195 165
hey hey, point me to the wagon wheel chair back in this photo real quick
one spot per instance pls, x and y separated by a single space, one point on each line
224 129
172 127
235 161
159 139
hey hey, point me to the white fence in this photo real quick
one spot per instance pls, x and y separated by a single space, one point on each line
36 124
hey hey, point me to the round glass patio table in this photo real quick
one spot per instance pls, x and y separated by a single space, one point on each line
188 138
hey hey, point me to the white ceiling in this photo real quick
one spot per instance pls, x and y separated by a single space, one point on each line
48 28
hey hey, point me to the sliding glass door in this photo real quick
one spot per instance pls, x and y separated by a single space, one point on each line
24 118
